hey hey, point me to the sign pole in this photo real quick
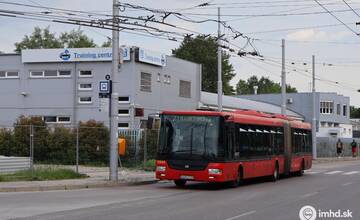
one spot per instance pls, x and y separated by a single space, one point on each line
314 149
219 84
283 79
114 97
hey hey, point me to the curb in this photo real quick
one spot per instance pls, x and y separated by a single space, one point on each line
75 186
334 160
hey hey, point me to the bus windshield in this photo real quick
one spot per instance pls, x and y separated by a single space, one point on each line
185 136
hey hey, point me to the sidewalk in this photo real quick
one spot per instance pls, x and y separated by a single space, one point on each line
334 159
98 177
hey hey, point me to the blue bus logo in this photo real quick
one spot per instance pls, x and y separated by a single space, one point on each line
65 55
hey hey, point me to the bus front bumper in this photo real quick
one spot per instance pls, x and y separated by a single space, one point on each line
213 173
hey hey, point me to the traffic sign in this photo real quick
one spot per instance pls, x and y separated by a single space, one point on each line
104 87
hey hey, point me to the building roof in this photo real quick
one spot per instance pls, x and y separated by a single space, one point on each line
232 103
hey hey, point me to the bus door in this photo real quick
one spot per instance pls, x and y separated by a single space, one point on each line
232 148
287 148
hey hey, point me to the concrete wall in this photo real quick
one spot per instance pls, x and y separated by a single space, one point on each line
59 96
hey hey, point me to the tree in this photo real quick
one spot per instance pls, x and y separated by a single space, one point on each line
40 38
76 39
107 43
43 38
354 112
203 50
265 86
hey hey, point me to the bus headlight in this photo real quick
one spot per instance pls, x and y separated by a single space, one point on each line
160 168
214 171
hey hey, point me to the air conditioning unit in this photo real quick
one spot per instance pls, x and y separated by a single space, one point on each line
290 101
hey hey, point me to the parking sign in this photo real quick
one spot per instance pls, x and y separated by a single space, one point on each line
104 87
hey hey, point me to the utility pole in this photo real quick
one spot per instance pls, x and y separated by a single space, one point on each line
313 125
114 97
219 84
283 79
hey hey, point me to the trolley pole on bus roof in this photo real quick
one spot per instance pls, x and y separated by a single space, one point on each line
313 125
219 84
114 96
283 79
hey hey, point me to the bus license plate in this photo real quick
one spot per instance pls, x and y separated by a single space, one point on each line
183 177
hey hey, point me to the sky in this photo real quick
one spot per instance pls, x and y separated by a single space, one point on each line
304 25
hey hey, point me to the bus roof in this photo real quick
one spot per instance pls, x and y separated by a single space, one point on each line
248 117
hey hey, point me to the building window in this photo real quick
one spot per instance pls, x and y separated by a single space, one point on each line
63 119
56 119
85 100
50 73
344 110
64 73
145 82
85 86
338 109
50 119
185 89
9 74
124 99
123 125
85 73
326 107
123 112
37 74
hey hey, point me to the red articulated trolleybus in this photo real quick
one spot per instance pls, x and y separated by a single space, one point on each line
212 146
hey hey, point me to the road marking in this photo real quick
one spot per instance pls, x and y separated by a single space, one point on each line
334 172
312 172
309 194
241 215
351 173
346 184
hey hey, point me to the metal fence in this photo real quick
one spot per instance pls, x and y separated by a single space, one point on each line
326 146
141 145
12 164
85 144
88 144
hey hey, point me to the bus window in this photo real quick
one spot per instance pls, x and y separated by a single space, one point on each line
279 136
244 141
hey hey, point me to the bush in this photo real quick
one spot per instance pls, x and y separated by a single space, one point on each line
62 146
150 165
22 137
94 142
6 142
56 145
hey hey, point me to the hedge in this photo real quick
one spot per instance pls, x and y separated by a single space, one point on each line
56 144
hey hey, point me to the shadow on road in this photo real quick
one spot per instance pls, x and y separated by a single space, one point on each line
201 186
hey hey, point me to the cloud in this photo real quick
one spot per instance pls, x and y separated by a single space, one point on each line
312 34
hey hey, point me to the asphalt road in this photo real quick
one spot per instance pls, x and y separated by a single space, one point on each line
327 186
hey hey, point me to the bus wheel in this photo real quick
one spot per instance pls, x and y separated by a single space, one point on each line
180 183
275 175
